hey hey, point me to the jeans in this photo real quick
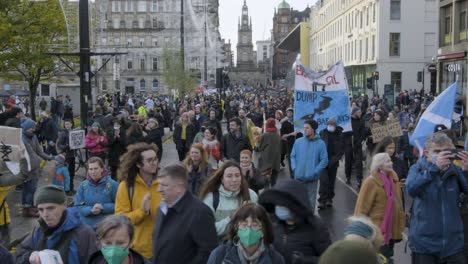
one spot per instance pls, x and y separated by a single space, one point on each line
419 258
327 184
29 188
312 192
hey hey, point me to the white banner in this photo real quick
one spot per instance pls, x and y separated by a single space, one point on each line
77 139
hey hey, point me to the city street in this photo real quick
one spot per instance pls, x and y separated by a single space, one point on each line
335 217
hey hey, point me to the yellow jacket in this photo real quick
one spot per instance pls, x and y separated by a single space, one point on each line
144 224
5 210
142 111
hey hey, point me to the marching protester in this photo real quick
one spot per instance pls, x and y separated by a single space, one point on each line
300 236
95 198
212 146
308 159
184 133
184 231
116 146
63 147
234 141
198 167
47 132
116 234
269 152
249 239
225 192
59 229
288 135
380 199
96 141
154 135
333 138
137 194
353 147
435 184
254 176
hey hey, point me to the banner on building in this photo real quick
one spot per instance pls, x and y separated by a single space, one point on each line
321 96
77 139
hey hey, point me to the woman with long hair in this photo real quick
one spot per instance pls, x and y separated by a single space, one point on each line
380 199
212 146
134 134
250 238
184 133
225 192
199 169
96 141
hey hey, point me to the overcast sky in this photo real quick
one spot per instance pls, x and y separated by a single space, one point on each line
261 12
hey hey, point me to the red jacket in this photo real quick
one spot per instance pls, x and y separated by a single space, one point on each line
92 144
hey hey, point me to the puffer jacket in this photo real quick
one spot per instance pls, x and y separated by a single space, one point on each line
92 144
436 226
306 239
90 193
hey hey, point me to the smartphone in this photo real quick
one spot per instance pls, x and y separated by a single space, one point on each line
455 153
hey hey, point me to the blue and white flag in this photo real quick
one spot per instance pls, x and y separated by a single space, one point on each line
440 111
321 96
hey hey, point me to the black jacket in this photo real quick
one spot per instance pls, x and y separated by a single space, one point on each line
216 124
227 253
186 234
47 130
358 134
309 237
154 136
334 142
98 258
116 146
63 144
231 146
190 133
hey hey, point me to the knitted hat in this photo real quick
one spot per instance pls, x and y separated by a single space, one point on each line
50 194
27 124
60 159
354 110
96 124
349 252
332 122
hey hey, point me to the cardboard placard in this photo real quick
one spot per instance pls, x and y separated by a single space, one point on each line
390 128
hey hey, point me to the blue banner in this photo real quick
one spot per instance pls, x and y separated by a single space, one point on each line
321 106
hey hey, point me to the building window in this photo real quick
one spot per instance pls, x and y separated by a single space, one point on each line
117 85
367 16
103 64
155 64
394 44
122 23
129 64
360 50
463 20
373 13
155 84
447 25
373 47
129 6
395 78
155 42
116 41
395 9
141 6
104 85
142 85
117 60
129 41
284 19
142 64
142 42
154 6
45 90
367 50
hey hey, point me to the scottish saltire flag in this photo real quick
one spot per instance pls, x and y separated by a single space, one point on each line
440 111
321 96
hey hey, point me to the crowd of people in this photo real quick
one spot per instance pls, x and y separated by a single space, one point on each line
222 201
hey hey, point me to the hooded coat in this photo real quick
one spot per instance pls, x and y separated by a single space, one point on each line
308 237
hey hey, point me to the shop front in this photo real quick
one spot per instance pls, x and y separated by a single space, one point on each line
453 67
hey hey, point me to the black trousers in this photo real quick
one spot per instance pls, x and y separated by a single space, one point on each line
71 170
353 156
327 184
418 258
182 150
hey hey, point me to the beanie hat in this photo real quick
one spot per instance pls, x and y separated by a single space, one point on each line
332 122
359 228
350 252
96 124
354 110
60 159
27 124
50 194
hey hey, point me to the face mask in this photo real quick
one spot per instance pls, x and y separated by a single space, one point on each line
434 158
249 236
283 213
331 129
114 254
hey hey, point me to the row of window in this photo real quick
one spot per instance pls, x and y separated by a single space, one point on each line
142 42
142 84
130 6
461 26
141 23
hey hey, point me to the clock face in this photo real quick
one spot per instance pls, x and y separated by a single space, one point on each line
244 12
245 21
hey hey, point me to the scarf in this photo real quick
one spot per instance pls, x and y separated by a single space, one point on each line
245 258
386 225
210 144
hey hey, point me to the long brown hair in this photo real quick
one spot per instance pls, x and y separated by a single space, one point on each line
134 129
213 183
204 157
255 211
128 169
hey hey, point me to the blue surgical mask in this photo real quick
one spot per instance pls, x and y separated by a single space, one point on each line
283 213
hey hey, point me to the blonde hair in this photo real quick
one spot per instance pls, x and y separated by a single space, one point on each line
377 162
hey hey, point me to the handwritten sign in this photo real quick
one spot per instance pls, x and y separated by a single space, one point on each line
391 128
10 142
77 139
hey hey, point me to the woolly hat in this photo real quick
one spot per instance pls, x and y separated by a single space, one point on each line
354 110
332 122
50 194
27 124
349 252
60 159
96 124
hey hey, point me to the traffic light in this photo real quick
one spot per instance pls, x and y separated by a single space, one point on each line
370 83
376 75
219 77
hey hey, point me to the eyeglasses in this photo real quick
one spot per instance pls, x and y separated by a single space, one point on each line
253 224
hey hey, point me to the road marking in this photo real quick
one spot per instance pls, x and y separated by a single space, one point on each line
167 139
347 186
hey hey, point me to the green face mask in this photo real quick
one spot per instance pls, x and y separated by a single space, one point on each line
114 254
249 236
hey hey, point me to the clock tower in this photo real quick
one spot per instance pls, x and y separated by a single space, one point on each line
245 53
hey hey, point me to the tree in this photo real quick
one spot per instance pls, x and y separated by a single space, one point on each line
31 29
174 74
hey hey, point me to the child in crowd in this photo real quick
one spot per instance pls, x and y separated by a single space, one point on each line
60 174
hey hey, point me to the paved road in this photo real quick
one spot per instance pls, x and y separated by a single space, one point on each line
343 206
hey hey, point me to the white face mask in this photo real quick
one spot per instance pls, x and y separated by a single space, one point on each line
331 128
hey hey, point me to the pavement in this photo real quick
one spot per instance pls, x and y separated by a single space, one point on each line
335 217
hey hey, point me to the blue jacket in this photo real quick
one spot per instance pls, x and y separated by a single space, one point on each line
61 177
308 158
89 194
436 226
81 240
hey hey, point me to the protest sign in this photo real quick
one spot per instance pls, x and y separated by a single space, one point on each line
391 128
10 141
77 139
321 96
